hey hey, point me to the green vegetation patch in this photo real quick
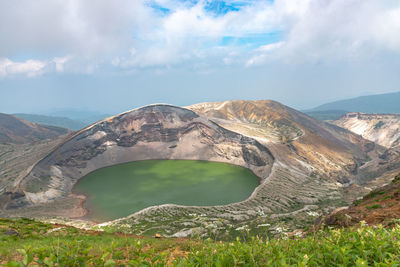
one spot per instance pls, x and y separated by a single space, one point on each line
120 190
357 202
372 207
362 246
374 193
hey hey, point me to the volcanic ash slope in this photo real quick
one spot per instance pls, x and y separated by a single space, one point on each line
383 129
151 132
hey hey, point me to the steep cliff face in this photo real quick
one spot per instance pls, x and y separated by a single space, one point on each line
383 129
152 132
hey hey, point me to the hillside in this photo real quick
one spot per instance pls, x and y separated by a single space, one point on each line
326 115
85 116
25 242
380 206
16 161
17 130
307 138
62 122
305 167
383 103
383 129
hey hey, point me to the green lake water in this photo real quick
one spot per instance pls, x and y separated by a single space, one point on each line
120 190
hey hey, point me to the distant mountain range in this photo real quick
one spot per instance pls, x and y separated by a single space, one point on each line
87 117
70 119
326 115
377 104
17 130
52 120
383 103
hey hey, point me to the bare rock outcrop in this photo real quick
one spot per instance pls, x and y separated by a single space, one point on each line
383 129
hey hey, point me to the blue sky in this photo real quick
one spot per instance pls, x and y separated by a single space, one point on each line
116 55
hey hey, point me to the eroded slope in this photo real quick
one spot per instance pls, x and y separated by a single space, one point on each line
303 140
380 206
383 129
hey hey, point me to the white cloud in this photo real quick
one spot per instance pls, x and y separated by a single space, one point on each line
343 30
29 68
262 52
386 29
130 34
60 62
270 47
132 51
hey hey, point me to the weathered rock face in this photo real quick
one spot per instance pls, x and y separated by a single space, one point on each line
383 129
152 132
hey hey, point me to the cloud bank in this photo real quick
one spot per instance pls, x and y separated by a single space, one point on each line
46 36
31 68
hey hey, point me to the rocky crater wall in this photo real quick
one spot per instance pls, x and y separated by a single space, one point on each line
151 132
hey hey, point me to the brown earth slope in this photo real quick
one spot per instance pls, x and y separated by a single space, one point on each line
380 206
19 131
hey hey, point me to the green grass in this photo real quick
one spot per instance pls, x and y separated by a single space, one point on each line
374 193
372 207
362 246
121 190
384 198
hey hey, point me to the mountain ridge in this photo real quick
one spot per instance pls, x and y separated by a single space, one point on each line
16 130
63 122
381 103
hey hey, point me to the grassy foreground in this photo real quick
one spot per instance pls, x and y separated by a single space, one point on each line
41 244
